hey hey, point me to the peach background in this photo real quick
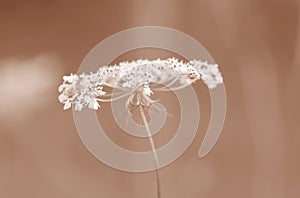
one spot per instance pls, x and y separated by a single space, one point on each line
255 42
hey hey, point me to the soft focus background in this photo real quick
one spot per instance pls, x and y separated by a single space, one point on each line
255 42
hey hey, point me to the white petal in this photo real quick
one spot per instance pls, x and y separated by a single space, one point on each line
148 91
78 106
219 79
61 88
211 85
94 105
67 105
67 78
214 70
62 98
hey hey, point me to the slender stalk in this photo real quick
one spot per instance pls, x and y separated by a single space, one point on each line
158 189
176 88
112 99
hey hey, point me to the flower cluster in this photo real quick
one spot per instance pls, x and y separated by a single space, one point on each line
209 73
81 91
84 89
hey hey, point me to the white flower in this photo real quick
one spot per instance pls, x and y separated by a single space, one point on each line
61 88
214 69
70 78
63 98
211 85
219 78
78 106
84 90
94 105
67 105
147 90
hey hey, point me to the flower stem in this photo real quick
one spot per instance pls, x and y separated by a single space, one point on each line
157 176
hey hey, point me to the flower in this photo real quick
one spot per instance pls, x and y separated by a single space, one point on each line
86 90
147 90
81 91
67 105
70 78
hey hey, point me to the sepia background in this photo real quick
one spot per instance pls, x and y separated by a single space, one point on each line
255 42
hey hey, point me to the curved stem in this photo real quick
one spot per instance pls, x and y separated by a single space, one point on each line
113 99
154 153
176 88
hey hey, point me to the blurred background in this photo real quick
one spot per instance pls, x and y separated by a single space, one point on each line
255 42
